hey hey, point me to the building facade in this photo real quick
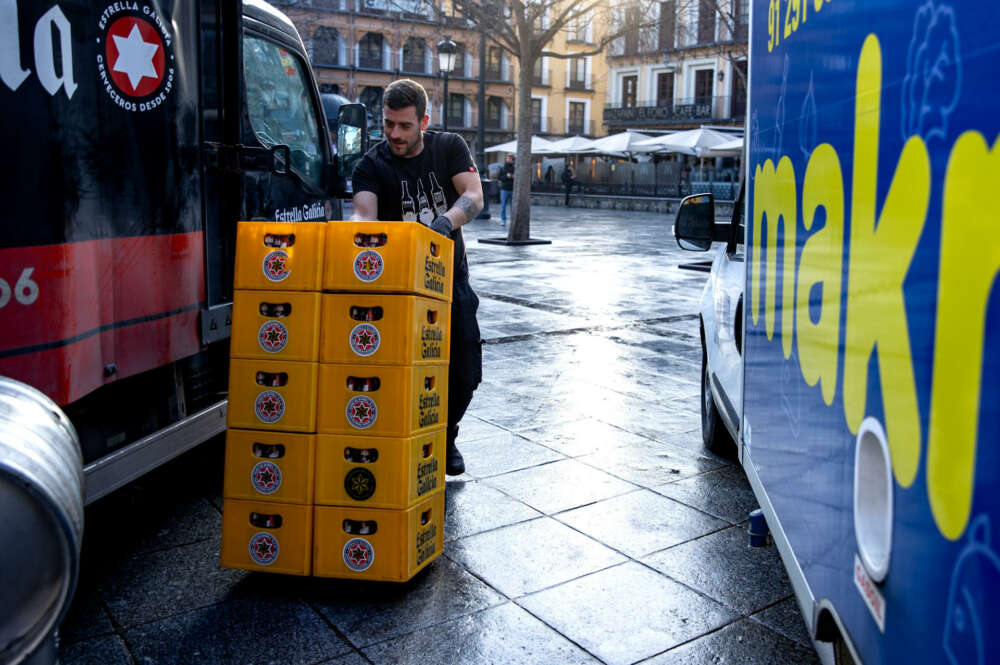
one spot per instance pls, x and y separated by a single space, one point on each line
684 68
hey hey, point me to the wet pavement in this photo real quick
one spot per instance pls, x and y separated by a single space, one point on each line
591 525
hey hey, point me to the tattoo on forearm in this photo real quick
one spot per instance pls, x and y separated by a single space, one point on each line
469 207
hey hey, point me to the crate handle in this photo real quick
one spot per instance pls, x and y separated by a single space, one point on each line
361 384
435 249
425 517
268 450
271 379
361 455
428 448
366 313
370 239
429 382
360 527
276 310
432 316
281 240
264 521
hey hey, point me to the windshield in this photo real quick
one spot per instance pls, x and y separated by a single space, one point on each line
281 109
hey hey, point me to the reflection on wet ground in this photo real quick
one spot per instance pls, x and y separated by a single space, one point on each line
591 526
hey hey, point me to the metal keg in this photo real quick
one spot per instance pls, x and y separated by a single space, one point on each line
41 517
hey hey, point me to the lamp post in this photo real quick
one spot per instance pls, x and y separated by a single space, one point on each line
446 61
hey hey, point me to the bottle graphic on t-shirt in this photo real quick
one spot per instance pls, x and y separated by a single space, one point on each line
437 196
426 215
409 209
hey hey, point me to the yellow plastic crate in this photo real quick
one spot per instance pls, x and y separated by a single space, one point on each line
272 395
388 257
286 256
382 400
377 472
275 325
378 544
272 537
269 466
384 329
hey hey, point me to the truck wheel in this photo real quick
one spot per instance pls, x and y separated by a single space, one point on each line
841 653
714 434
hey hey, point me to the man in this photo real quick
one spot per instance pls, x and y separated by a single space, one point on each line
506 188
436 169
568 179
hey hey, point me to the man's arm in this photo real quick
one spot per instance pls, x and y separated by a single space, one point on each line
365 207
470 198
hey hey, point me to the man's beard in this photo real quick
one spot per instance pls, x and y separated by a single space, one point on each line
407 149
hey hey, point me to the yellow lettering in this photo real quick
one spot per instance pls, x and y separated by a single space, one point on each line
774 195
820 263
880 257
970 258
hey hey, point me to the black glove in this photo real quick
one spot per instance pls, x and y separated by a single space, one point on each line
442 225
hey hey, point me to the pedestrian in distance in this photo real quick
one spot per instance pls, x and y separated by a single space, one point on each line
506 188
411 159
568 178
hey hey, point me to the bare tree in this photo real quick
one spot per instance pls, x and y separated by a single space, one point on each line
526 31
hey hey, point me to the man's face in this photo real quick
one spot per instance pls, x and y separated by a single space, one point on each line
510 158
404 130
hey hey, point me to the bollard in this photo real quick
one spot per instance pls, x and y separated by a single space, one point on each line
758 529
41 491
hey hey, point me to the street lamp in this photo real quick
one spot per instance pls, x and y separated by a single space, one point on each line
446 62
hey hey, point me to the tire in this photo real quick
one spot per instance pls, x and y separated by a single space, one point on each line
714 434
841 653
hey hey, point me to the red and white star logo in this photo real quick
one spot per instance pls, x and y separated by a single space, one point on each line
135 53
361 412
263 548
275 266
269 406
365 339
358 554
368 265
266 477
272 336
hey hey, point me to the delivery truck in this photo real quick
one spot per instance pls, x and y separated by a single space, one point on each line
851 319
136 134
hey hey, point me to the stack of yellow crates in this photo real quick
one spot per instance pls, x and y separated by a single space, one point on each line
353 485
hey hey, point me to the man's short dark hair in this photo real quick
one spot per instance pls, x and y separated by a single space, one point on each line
403 93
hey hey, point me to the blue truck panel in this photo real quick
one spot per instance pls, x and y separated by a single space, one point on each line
873 170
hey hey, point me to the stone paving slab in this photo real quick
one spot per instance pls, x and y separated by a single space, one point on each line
591 526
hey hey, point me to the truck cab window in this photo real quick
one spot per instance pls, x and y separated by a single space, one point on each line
280 106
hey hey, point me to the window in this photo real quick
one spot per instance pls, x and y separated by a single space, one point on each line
741 10
576 111
326 46
703 86
494 62
665 89
538 74
415 55
738 103
577 73
493 113
668 23
632 36
629 86
459 69
456 110
536 116
706 21
370 51
280 107
577 29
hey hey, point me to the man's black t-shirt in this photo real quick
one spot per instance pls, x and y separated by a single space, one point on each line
505 182
417 188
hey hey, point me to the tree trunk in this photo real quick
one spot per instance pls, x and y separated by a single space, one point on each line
520 226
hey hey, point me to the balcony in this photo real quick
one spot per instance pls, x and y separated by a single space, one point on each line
581 127
493 74
577 84
685 111
541 125
370 62
542 78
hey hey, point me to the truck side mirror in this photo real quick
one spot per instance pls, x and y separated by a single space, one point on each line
695 223
352 137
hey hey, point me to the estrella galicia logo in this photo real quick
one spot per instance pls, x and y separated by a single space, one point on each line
266 477
272 336
365 339
368 265
359 484
136 62
263 548
269 406
358 554
361 412
275 266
